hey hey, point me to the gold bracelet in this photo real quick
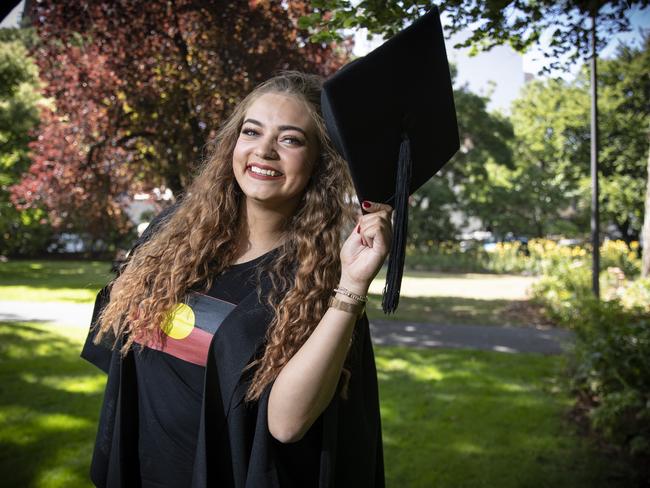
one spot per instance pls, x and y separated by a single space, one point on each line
354 308
350 294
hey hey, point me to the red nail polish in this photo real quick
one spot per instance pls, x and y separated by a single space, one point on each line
366 204
359 229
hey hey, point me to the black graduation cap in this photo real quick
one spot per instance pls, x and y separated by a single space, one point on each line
391 115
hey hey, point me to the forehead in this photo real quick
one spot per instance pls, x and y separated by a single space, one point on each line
277 109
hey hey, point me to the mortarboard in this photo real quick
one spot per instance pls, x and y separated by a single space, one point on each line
391 115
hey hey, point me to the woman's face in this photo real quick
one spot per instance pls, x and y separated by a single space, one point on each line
276 151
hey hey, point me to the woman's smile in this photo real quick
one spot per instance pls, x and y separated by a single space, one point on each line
263 171
276 151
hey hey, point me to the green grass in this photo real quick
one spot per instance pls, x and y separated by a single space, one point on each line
52 281
49 406
482 419
450 418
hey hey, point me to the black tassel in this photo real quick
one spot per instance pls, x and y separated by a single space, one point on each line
395 271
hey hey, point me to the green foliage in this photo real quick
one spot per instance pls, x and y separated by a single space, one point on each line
530 175
548 189
462 183
612 369
551 152
27 232
566 281
450 256
491 22
624 125
610 364
538 256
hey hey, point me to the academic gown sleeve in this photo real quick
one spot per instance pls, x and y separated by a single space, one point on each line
235 446
349 430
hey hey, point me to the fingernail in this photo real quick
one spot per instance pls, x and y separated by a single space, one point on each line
359 229
366 204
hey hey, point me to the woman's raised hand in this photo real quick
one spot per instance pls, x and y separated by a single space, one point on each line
365 250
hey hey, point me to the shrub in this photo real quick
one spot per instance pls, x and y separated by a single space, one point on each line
538 256
610 364
611 367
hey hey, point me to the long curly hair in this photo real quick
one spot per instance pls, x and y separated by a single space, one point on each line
199 240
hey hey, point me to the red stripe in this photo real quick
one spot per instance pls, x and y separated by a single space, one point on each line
193 348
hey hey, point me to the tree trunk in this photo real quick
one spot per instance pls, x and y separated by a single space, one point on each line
645 266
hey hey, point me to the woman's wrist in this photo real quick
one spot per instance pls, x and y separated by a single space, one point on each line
354 286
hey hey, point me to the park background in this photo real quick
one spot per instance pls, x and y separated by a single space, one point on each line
106 108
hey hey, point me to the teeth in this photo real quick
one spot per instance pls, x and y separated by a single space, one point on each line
265 172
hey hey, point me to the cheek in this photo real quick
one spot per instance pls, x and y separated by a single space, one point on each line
302 169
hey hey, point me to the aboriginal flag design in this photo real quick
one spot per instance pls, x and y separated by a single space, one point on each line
188 330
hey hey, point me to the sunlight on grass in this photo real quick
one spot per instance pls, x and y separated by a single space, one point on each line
423 373
477 418
50 406
450 418
31 294
72 384
467 448
46 281
60 422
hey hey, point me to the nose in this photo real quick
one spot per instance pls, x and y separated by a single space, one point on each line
265 148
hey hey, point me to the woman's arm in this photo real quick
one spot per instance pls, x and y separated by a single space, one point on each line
307 383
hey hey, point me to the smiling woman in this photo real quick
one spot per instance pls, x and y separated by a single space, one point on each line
275 153
238 348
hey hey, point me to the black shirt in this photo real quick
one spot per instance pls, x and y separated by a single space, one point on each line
170 377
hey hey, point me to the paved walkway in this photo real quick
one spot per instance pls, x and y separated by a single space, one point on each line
384 332
485 337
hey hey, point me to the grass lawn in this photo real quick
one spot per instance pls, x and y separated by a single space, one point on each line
460 418
450 418
477 299
53 281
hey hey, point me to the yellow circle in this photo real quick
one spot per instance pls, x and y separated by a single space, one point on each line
180 322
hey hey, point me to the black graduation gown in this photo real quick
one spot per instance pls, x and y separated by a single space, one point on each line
234 446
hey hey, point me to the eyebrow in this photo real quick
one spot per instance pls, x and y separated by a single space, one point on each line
282 127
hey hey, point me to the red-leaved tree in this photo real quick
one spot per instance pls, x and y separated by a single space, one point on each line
139 87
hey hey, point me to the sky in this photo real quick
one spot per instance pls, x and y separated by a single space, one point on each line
639 19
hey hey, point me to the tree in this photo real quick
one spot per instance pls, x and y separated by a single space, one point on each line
139 88
624 94
490 22
458 186
552 152
21 233
548 188
575 24
645 265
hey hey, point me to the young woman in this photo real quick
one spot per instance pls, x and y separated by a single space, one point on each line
231 365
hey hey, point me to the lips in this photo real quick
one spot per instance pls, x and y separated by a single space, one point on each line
263 170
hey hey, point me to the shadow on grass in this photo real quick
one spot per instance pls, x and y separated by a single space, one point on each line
459 311
450 418
56 274
482 419
49 408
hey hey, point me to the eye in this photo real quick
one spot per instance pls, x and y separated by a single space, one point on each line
249 131
294 141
